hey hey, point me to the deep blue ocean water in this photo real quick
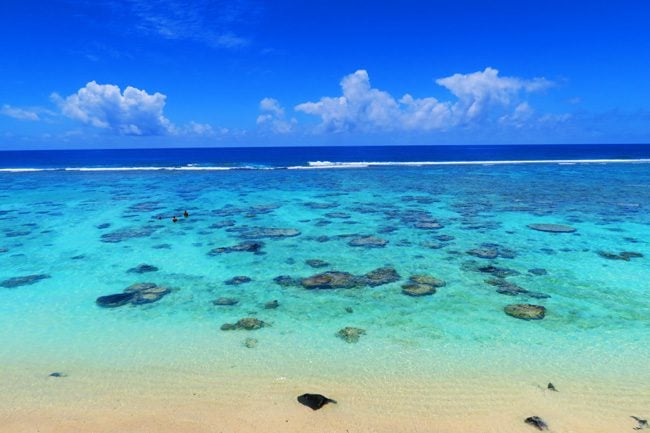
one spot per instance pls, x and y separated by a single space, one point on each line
300 156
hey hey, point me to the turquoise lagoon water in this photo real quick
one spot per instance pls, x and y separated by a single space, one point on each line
598 312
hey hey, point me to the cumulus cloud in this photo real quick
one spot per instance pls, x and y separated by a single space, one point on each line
478 90
19 113
364 108
132 112
273 117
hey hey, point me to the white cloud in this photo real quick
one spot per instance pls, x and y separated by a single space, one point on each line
133 112
479 90
273 118
519 117
364 108
19 113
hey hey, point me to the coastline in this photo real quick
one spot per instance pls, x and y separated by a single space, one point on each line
163 400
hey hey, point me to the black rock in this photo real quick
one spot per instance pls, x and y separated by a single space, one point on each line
116 300
642 423
537 422
23 281
314 401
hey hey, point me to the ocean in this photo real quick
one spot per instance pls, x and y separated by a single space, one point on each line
381 277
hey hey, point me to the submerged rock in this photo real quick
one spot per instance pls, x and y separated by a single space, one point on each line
497 271
552 228
251 343
239 279
428 225
314 401
368 242
26 280
415 289
136 294
331 280
623 255
142 268
222 224
247 323
317 263
245 247
525 311
427 279
127 233
350 334
538 271
116 300
268 232
286 281
380 276
140 287
514 290
225 302
536 422
146 293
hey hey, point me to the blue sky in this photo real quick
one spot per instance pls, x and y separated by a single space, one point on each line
136 73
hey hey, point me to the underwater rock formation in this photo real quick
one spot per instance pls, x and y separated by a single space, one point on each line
552 228
237 280
142 268
317 263
331 280
350 334
225 302
623 255
525 311
136 294
242 247
368 242
380 276
23 280
247 323
268 232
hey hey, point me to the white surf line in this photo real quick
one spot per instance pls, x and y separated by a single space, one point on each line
314 165
364 164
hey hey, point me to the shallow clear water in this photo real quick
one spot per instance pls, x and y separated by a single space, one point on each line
598 312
